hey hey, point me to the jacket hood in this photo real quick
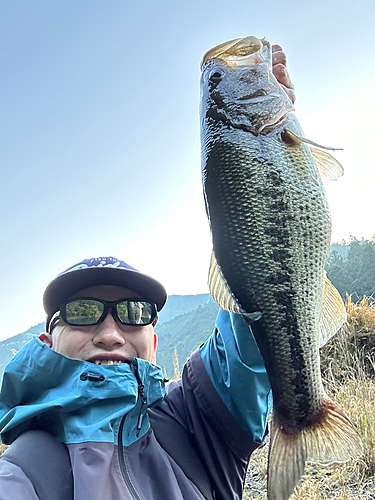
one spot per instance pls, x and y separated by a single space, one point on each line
75 401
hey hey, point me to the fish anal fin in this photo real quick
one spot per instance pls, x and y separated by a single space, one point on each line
329 440
333 314
328 167
220 290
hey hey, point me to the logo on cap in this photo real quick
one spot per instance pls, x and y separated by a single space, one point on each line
99 262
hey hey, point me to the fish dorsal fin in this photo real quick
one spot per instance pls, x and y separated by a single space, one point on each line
328 167
220 290
333 312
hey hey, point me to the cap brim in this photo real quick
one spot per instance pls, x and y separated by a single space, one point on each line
66 285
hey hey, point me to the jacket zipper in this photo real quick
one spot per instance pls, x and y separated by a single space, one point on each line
142 397
141 394
123 468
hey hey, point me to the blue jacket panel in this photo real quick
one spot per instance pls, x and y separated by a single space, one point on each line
236 369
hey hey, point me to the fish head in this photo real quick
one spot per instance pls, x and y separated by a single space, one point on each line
238 86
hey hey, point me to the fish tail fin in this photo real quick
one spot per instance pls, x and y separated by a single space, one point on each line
332 438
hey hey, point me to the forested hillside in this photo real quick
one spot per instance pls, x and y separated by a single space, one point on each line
353 274
184 333
180 304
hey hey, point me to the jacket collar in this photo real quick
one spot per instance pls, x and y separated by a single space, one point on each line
76 401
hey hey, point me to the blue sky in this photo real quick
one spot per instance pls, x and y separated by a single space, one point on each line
100 130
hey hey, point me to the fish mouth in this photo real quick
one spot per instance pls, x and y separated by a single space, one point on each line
245 51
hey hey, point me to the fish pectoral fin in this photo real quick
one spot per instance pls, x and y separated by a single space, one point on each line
298 139
219 289
333 314
328 167
331 439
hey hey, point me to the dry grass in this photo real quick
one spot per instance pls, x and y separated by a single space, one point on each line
361 315
348 370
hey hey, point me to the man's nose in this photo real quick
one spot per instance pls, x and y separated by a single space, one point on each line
109 333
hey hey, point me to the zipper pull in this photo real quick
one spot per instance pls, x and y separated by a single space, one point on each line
143 402
139 424
141 394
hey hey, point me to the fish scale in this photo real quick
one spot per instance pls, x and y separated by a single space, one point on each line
270 226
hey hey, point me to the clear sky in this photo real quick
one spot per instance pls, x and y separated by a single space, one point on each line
99 130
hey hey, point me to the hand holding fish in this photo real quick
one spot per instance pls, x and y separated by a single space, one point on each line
280 71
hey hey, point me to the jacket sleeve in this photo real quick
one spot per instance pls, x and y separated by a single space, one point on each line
14 483
235 366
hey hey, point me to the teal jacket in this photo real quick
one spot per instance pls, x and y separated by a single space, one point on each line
128 435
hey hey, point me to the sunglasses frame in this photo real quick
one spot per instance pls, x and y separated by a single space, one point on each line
108 305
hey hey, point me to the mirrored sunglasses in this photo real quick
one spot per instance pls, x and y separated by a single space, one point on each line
89 312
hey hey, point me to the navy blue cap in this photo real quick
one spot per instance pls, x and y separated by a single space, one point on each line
101 271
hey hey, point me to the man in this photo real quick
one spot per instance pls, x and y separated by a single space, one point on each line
90 381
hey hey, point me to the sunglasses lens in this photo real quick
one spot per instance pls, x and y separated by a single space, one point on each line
78 312
83 312
135 312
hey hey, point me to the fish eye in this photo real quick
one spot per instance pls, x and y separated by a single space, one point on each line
216 75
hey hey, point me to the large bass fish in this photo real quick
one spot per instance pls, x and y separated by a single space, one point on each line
271 231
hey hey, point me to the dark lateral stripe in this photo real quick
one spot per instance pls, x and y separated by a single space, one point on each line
280 236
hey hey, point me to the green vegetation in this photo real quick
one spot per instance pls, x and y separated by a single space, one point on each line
181 304
353 274
184 334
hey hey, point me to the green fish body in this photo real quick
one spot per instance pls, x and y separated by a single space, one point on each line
271 231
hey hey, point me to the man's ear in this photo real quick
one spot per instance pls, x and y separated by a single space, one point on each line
46 338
